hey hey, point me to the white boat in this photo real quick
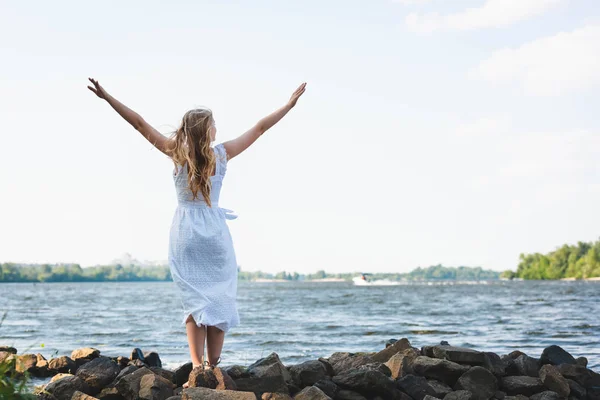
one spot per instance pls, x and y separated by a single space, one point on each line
364 280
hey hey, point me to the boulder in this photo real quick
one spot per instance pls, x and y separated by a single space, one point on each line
576 389
84 354
556 355
62 364
517 397
200 377
110 393
479 381
459 395
155 387
328 387
493 363
438 369
201 393
265 375
327 365
41 366
341 362
276 396
397 347
527 366
82 396
460 355
400 364
127 370
64 388
235 371
366 382
417 387
349 395
98 373
8 349
525 385
311 393
26 363
181 374
224 381
308 373
582 361
515 354
152 359
554 381
440 388
547 395
59 376
129 385
585 377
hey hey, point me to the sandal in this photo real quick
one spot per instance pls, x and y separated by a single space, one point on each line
207 365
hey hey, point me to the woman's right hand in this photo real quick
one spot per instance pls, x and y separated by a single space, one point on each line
97 89
296 95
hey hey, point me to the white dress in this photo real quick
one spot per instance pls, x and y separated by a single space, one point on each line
201 254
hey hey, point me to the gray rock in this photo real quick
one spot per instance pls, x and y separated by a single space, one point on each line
155 387
200 393
517 397
547 395
460 355
499 395
235 371
576 389
276 396
84 355
428 397
174 398
110 393
582 361
459 395
585 377
181 374
98 373
556 355
493 363
554 381
527 366
308 373
328 387
200 377
417 387
269 366
127 370
82 396
311 393
479 381
400 364
64 388
438 369
342 362
440 388
129 385
525 385
349 395
366 382
152 359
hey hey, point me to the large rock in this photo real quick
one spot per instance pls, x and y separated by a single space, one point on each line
224 381
400 364
527 366
41 366
576 389
276 396
585 377
440 388
493 363
84 355
235 371
63 389
417 387
265 375
8 349
479 381
155 387
26 363
459 395
308 373
547 395
200 377
349 395
200 393
328 387
397 347
181 374
82 396
556 355
311 393
129 385
342 362
98 373
525 385
165 373
438 369
127 370
62 364
460 355
367 382
554 381
110 393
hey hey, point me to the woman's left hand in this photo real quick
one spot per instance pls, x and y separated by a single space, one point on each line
97 89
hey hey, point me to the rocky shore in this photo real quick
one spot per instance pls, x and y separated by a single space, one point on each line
399 372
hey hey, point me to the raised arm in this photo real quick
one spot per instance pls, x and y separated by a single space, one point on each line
157 139
242 142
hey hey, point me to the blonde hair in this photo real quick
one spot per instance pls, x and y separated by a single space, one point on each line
192 146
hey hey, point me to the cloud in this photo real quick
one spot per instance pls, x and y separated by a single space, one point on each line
411 2
492 14
552 65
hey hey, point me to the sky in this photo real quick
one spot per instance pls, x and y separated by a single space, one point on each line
461 132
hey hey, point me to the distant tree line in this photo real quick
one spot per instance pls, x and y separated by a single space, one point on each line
13 272
580 261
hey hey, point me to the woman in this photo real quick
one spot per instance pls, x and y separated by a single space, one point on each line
201 254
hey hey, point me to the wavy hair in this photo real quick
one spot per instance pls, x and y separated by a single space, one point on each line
191 146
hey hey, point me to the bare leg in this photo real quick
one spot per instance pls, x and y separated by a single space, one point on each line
214 343
196 336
